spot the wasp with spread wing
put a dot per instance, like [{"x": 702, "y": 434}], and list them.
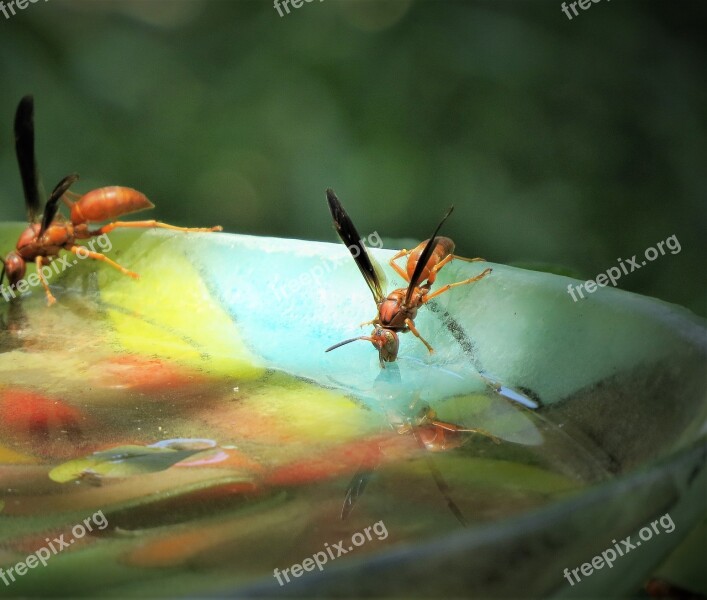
[
  {"x": 42, "y": 241},
  {"x": 397, "y": 310}
]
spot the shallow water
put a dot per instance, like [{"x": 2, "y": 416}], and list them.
[
  {"x": 234, "y": 451},
  {"x": 271, "y": 497}
]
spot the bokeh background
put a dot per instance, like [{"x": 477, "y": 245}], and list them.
[{"x": 561, "y": 143}]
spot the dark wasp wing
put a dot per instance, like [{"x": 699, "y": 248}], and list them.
[
  {"x": 348, "y": 234},
  {"x": 424, "y": 257},
  {"x": 24, "y": 149},
  {"x": 52, "y": 205}
]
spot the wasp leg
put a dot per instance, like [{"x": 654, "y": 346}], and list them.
[
  {"x": 398, "y": 269},
  {"x": 434, "y": 270},
  {"x": 449, "y": 286},
  {"x": 446, "y": 260},
  {"x": 468, "y": 259},
  {"x": 441, "y": 483},
  {"x": 458, "y": 429},
  {"x": 416, "y": 333},
  {"x": 83, "y": 252},
  {"x": 373, "y": 322},
  {"x": 149, "y": 224},
  {"x": 69, "y": 198},
  {"x": 485, "y": 433},
  {"x": 50, "y": 298}
]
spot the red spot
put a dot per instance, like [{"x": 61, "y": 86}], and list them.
[
  {"x": 145, "y": 374},
  {"x": 49, "y": 426},
  {"x": 33, "y": 542},
  {"x": 24, "y": 410},
  {"x": 337, "y": 461}
]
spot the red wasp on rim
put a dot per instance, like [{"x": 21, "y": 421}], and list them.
[
  {"x": 397, "y": 310},
  {"x": 41, "y": 242}
]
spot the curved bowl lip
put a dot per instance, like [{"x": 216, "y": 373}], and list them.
[{"x": 685, "y": 470}]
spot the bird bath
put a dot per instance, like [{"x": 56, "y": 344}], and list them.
[{"x": 197, "y": 411}]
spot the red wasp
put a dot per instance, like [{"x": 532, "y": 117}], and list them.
[
  {"x": 397, "y": 311},
  {"x": 41, "y": 242}
]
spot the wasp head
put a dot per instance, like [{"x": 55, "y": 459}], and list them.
[
  {"x": 14, "y": 266},
  {"x": 387, "y": 343},
  {"x": 384, "y": 339}
]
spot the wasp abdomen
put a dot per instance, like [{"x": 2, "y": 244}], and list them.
[
  {"x": 107, "y": 203},
  {"x": 444, "y": 246}
]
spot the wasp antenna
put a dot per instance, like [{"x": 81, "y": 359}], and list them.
[{"x": 335, "y": 346}]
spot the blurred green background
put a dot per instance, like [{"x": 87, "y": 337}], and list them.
[{"x": 560, "y": 142}]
